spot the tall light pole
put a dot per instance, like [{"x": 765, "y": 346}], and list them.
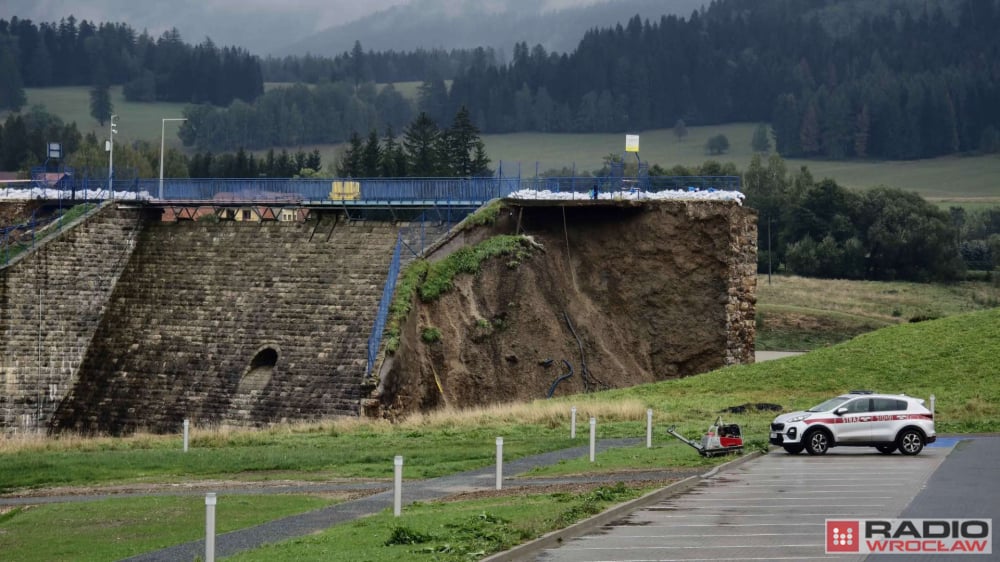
[
  {"x": 111, "y": 156},
  {"x": 163, "y": 127}
]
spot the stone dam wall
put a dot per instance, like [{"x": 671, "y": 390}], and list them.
[{"x": 123, "y": 322}]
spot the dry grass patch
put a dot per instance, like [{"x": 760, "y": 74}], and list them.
[{"x": 545, "y": 413}]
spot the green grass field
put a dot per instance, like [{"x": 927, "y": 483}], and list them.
[
  {"x": 969, "y": 181},
  {"x": 951, "y": 178},
  {"x": 952, "y": 358},
  {"x": 137, "y": 121},
  {"x": 799, "y": 313}
]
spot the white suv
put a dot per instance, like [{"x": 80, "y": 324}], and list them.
[{"x": 860, "y": 418}]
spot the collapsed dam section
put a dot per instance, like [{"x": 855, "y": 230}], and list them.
[{"x": 124, "y": 322}]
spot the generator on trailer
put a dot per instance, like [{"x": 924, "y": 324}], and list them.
[{"x": 720, "y": 439}]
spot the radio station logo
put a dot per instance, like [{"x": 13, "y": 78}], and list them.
[{"x": 909, "y": 536}]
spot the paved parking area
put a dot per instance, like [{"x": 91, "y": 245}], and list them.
[{"x": 772, "y": 508}]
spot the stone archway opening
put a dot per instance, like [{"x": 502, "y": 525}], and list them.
[
  {"x": 265, "y": 359},
  {"x": 258, "y": 373}
]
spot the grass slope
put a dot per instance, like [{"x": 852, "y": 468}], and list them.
[
  {"x": 953, "y": 358},
  {"x": 800, "y": 313}
]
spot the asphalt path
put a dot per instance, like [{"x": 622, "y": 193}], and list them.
[
  {"x": 965, "y": 487},
  {"x": 775, "y": 507},
  {"x": 319, "y": 520}
]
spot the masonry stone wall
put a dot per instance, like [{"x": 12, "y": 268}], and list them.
[
  {"x": 234, "y": 323},
  {"x": 123, "y": 322},
  {"x": 52, "y": 299}
]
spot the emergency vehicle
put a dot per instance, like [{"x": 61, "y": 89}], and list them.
[{"x": 861, "y": 418}]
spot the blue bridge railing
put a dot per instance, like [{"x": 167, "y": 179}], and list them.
[
  {"x": 362, "y": 190},
  {"x": 375, "y": 339}
]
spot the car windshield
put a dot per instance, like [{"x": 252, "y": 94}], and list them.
[{"x": 829, "y": 404}]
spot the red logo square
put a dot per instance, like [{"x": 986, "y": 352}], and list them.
[{"x": 843, "y": 535}]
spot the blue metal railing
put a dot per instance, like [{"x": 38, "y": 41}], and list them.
[
  {"x": 400, "y": 190},
  {"x": 375, "y": 339}
]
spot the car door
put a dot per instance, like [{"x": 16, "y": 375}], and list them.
[
  {"x": 854, "y": 426},
  {"x": 888, "y": 415}
]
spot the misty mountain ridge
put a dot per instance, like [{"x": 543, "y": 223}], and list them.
[{"x": 463, "y": 24}]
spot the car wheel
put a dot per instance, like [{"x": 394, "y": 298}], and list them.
[
  {"x": 817, "y": 442},
  {"x": 794, "y": 448},
  {"x": 910, "y": 442},
  {"x": 886, "y": 449}
]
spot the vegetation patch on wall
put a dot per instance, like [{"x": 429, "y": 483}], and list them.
[{"x": 430, "y": 281}]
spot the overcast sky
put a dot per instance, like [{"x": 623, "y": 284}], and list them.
[
  {"x": 259, "y": 25},
  {"x": 314, "y": 14}
]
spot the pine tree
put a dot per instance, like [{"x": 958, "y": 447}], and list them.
[
  {"x": 350, "y": 161},
  {"x": 393, "y": 161},
  {"x": 809, "y": 133},
  {"x": 460, "y": 142},
  {"x": 371, "y": 155},
  {"x": 680, "y": 129},
  {"x": 421, "y": 144},
  {"x": 761, "y": 142},
  {"x": 11, "y": 86}
]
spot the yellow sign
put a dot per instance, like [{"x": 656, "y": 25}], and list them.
[
  {"x": 345, "y": 190},
  {"x": 631, "y": 143}
]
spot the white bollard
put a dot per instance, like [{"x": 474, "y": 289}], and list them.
[
  {"x": 499, "y": 462},
  {"x": 649, "y": 428},
  {"x": 397, "y": 486},
  {"x": 932, "y": 404},
  {"x": 187, "y": 432},
  {"x": 210, "y": 527},
  {"x": 572, "y": 422},
  {"x": 593, "y": 437}
]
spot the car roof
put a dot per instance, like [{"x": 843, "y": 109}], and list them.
[{"x": 873, "y": 395}]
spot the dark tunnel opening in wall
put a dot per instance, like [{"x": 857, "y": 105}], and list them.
[
  {"x": 265, "y": 360},
  {"x": 258, "y": 374}
]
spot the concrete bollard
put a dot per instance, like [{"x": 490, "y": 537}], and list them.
[
  {"x": 499, "y": 463},
  {"x": 187, "y": 434},
  {"x": 397, "y": 486},
  {"x": 593, "y": 437},
  {"x": 649, "y": 428},
  {"x": 572, "y": 422},
  {"x": 933, "y": 399},
  {"x": 210, "y": 527}
]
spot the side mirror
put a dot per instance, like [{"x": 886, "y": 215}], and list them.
[{"x": 840, "y": 411}]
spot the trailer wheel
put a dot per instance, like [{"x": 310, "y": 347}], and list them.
[
  {"x": 793, "y": 448},
  {"x": 817, "y": 442}
]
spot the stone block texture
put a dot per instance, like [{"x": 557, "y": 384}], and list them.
[
  {"x": 221, "y": 323},
  {"x": 52, "y": 301}
]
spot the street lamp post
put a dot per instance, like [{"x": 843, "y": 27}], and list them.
[
  {"x": 163, "y": 127},
  {"x": 111, "y": 156}
]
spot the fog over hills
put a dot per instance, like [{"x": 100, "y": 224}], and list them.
[{"x": 330, "y": 27}]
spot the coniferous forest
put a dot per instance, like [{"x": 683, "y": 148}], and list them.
[{"x": 835, "y": 78}]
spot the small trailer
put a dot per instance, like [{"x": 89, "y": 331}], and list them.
[{"x": 721, "y": 439}]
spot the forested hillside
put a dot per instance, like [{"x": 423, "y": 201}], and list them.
[
  {"x": 835, "y": 79},
  {"x": 71, "y": 53}
]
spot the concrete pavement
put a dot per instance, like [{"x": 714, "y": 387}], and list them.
[{"x": 773, "y": 508}]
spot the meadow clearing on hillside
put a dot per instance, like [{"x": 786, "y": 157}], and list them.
[
  {"x": 801, "y": 313},
  {"x": 136, "y": 121},
  {"x": 965, "y": 180}
]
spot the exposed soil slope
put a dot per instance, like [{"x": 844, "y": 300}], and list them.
[{"x": 626, "y": 294}]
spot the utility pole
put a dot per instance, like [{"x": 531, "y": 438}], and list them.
[{"x": 111, "y": 156}]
